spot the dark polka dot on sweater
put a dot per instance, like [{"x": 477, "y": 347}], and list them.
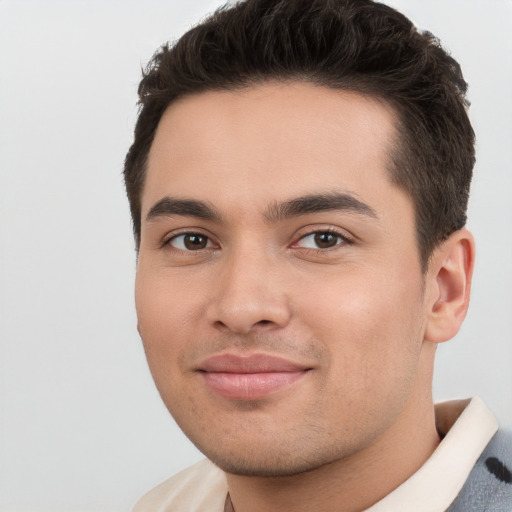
[{"x": 499, "y": 470}]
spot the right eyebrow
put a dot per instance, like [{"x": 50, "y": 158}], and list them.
[{"x": 170, "y": 207}]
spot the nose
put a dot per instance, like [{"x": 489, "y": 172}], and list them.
[{"x": 249, "y": 296}]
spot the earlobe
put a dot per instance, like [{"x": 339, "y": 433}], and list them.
[{"x": 449, "y": 278}]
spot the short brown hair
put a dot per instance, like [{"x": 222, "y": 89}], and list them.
[{"x": 357, "y": 45}]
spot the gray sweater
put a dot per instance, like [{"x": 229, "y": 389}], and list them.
[{"x": 489, "y": 485}]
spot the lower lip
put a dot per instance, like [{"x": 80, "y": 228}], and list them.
[{"x": 250, "y": 386}]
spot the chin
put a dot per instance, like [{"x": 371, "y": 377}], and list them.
[
  {"x": 267, "y": 462},
  {"x": 266, "y": 469}
]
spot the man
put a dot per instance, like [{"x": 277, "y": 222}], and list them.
[{"x": 298, "y": 184}]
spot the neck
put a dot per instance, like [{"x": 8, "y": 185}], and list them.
[{"x": 353, "y": 483}]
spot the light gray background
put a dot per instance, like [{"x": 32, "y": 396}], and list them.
[{"x": 82, "y": 427}]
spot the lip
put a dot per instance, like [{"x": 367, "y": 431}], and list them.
[{"x": 250, "y": 377}]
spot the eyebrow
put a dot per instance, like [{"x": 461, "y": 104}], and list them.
[
  {"x": 304, "y": 205},
  {"x": 170, "y": 206},
  {"x": 316, "y": 203}
]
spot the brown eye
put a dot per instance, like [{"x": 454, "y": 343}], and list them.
[
  {"x": 194, "y": 242},
  {"x": 326, "y": 240},
  {"x": 322, "y": 240},
  {"x": 190, "y": 242}
]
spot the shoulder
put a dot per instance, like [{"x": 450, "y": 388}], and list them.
[
  {"x": 198, "y": 488},
  {"x": 489, "y": 485}
]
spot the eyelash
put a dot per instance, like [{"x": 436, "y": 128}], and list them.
[
  {"x": 184, "y": 234},
  {"x": 342, "y": 239}
]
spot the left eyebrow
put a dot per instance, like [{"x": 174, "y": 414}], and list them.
[{"x": 316, "y": 203}]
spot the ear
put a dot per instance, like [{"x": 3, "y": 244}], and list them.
[{"x": 448, "y": 286}]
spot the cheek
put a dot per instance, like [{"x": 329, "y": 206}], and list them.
[
  {"x": 165, "y": 316},
  {"x": 167, "y": 303},
  {"x": 369, "y": 326}
]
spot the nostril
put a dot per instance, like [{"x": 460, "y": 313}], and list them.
[{"x": 264, "y": 322}]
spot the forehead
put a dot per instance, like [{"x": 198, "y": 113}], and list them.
[{"x": 270, "y": 142}]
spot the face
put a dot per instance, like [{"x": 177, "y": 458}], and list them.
[{"x": 279, "y": 290}]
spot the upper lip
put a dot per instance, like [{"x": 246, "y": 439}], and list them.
[{"x": 252, "y": 363}]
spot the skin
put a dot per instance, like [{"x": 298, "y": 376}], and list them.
[{"x": 357, "y": 311}]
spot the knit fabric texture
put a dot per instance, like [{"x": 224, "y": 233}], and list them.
[{"x": 489, "y": 485}]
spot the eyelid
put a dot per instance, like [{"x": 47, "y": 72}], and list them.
[
  {"x": 346, "y": 239},
  {"x": 187, "y": 231},
  {"x": 304, "y": 232}
]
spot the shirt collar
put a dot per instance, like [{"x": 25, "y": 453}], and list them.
[{"x": 467, "y": 427}]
